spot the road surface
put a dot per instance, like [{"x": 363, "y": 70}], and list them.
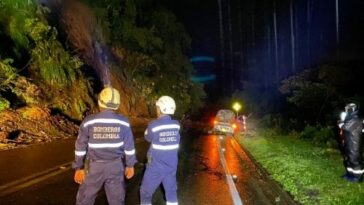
[{"x": 213, "y": 170}]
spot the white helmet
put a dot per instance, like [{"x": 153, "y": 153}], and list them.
[
  {"x": 166, "y": 105},
  {"x": 109, "y": 98},
  {"x": 349, "y": 108}
]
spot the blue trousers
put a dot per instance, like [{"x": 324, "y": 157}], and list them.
[
  {"x": 152, "y": 179},
  {"x": 108, "y": 174}
]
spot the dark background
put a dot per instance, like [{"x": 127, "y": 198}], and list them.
[{"x": 246, "y": 53}]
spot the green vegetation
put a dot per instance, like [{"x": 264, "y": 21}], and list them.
[
  {"x": 317, "y": 95},
  {"x": 310, "y": 173},
  {"x": 299, "y": 145},
  {"x": 45, "y": 58},
  {"x": 7, "y": 73},
  {"x": 4, "y": 104},
  {"x": 37, "y": 69},
  {"x": 311, "y": 99},
  {"x": 154, "y": 44},
  {"x": 318, "y": 135}
]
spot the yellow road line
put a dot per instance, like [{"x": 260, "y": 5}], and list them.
[{"x": 28, "y": 181}]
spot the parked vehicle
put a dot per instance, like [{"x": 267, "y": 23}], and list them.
[{"x": 224, "y": 122}]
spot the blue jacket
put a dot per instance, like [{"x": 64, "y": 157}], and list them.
[
  {"x": 104, "y": 136},
  {"x": 163, "y": 134}
]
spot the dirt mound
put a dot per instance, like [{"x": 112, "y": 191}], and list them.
[
  {"x": 34, "y": 113},
  {"x": 31, "y": 125}
]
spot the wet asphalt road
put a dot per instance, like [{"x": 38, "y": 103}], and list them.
[{"x": 201, "y": 177}]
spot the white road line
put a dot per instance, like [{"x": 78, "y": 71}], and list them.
[{"x": 233, "y": 191}]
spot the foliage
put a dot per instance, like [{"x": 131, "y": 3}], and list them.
[
  {"x": 141, "y": 68},
  {"x": 55, "y": 71},
  {"x": 153, "y": 42},
  {"x": 318, "y": 135},
  {"x": 174, "y": 75},
  {"x": 4, "y": 104},
  {"x": 13, "y": 14},
  {"x": 35, "y": 113},
  {"x": 75, "y": 101},
  {"x": 128, "y": 28},
  {"x": 7, "y": 73},
  {"x": 280, "y": 123},
  {"x": 318, "y": 94},
  {"x": 271, "y": 121},
  {"x": 198, "y": 95},
  {"x": 311, "y": 96},
  {"x": 311, "y": 174},
  {"x": 26, "y": 90},
  {"x": 154, "y": 45},
  {"x": 19, "y": 85},
  {"x": 55, "y": 65}
]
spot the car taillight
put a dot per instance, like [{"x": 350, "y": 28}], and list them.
[
  {"x": 215, "y": 122},
  {"x": 234, "y": 126}
]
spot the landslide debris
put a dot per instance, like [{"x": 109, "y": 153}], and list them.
[{"x": 31, "y": 125}]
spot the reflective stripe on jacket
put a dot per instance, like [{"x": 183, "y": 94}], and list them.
[
  {"x": 104, "y": 136},
  {"x": 163, "y": 134}
]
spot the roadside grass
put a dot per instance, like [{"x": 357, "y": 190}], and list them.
[{"x": 312, "y": 175}]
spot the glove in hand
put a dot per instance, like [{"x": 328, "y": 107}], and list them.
[
  {"x": 129, "y": 172},
  {"x": 80, "y": 176}
]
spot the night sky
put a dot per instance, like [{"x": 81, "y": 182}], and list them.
[
  {"x": 201, "y": 20},
  {"x": 252, "y": 53}
]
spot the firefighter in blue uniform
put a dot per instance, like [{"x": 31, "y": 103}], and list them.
[
  {"x": 351, "y": 130},
  {"x": 163, "y": 134},
  {"x": 106, "y": 140}
]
